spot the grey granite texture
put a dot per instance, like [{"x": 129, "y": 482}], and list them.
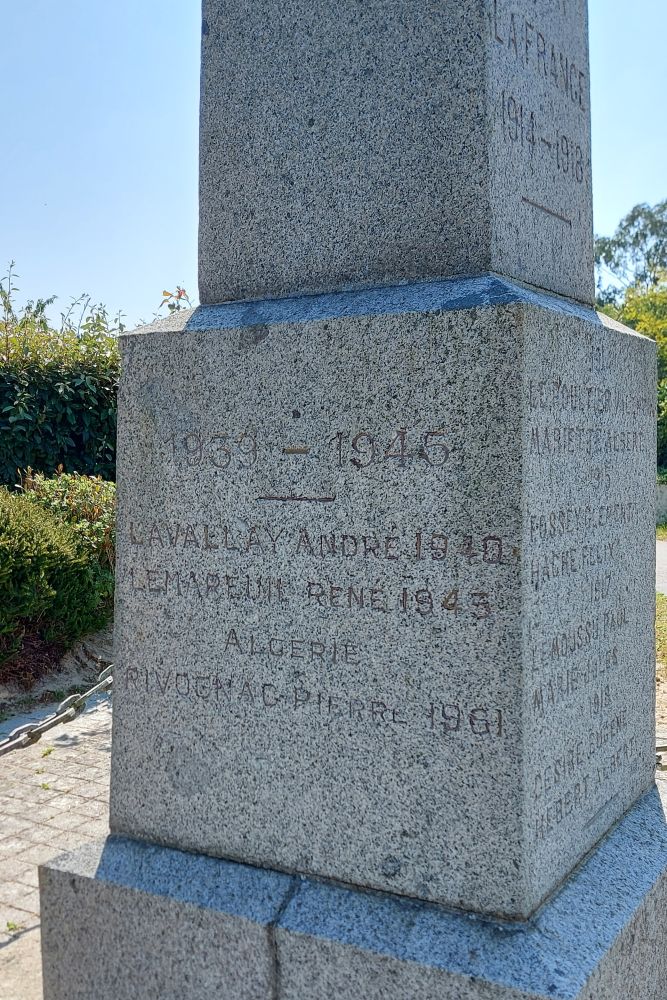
[
  {"x": 357, "y": 144},
  {"x": 382, "y": 609},
  {"x": 124, "y": 920},
  {"x": 157, "y": 923}
]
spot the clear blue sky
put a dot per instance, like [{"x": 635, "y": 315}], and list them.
[{"x": 99, "y": 139}]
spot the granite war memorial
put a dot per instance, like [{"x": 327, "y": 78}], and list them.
[{"x": 384, "y": 682}]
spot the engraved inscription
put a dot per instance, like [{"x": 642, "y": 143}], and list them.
[
  {"x": 571, "y": 785},
  {"x": 560, "y": 394},
  {"x": 263, "y": 539},
  {"x": 522, "y": 127},
  {"x": 448, "y": 720},
  {"x": 276, "y": 647},
  {"x": 449, "y": 601},
  {"x": 530, "y": 48},
  {"x": 222, "y": 450},
  {"x": 553, "y": 566},
  {"x": 234, "y": 588},
  {"x": 363, "y": 449},
  {"x": 546, "y": 527},
  {"x": 553, "y": 439}
]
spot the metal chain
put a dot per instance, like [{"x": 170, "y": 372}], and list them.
[{"x": 25, "y": 736}]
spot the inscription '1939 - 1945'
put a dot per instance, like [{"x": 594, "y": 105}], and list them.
[{"x": 232, "y": 451}]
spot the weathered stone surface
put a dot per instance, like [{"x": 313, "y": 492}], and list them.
[
  {"x": 122, "y": 919},
  {"x": 163, "y": 924},
  {"x": 357, "y": 144},
  {"x": 383, "y": 612}
]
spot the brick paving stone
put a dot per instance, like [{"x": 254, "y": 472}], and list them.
[
  {"x": 11, "y": 916},
  {"x": 12, "y": 871},
  {"x": 29, "y": 876},
  {"x": 66, "y": 821},
  {"x": 93, "y": 808},
  {"x": 9, "y": 805},
  {"x": 12, "y": 824},
  {"x": 10, "y": 847},
  {"x": 37, "y": 854},
  {"x": 19, "y": 895},
  {"x": 37, "y": 833},
  {"x": 39, "y": 823}
]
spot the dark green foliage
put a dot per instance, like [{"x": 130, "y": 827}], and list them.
[
  {"x": 88, "y": 503},
  {"x": 662, "y": 425},
  {"x": 635, "y": 261},
  {"x": 58, "y": 412},
  {"x": 57, "y": 387},
  {"x": 47, "y": 576}
]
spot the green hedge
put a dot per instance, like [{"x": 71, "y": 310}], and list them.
[
  {"x": 88, "y": 504},
  {"x": 57, "y": 387},
  {"x": 49, "y": 578},
  {"x": 662, "y": 426},
  {"x": 59, "y": 412}
]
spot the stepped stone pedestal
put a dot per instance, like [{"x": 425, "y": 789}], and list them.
[{"x": 384, "y": 681}]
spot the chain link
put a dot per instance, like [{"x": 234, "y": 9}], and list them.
[{"x": 69, "y": 709}]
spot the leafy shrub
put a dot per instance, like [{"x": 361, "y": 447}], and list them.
[
  {"x": 87, "y": 503},
  {"x": 46, "y": 576},
  {"x": 59, "y": 412},
  {"x": 662, "y": 425},
  {"x": 57, "y": 389}
]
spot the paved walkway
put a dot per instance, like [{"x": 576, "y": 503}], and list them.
[{"x": 54, "y": 796}]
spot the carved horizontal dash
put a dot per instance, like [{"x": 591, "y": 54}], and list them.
[
  {"x": 297, "y": 450},
  {"x": 298, "y": 499},
  {"x": 547, "y": 211}
]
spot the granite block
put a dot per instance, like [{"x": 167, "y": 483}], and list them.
[
  {"x": 122, "y": 919},
  {"x": 382, "y": 610},
  {"x": 348, "y": 145},
  {"x": 161, "y": 923}
]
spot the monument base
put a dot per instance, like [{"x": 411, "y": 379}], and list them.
[
  {"x": 157, "y": 923},
  {"x": 382, "y": 585}
]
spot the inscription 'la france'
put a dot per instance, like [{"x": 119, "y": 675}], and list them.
[{"x": 530, "y": 47}]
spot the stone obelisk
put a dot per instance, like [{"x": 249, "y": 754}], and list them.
[{"x": 384, "y": 690}]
